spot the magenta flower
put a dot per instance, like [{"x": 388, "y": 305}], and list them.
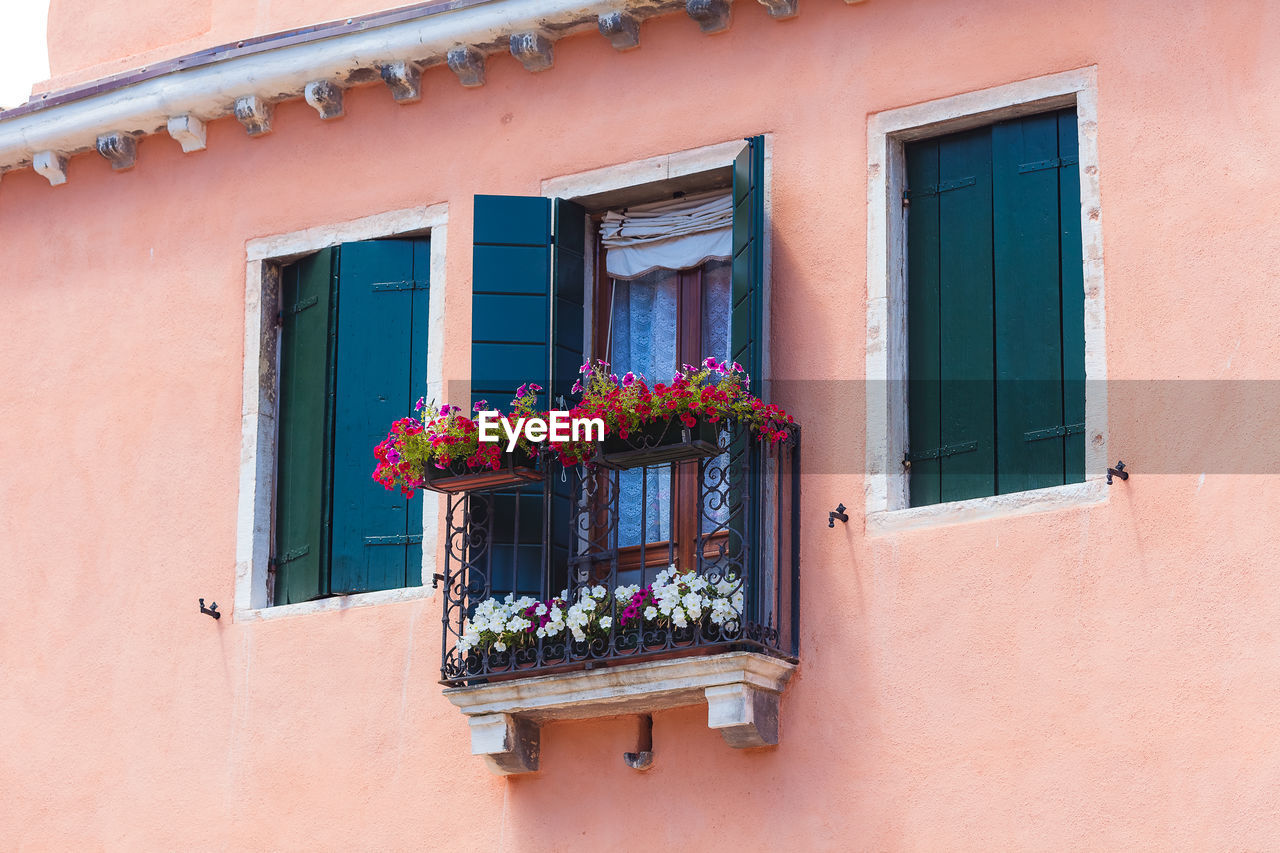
[
  {"x": 481, "y": 405},
  {"x": 421, "y": 404},
  {"x": 629, "y": 379},
  {"x": 577, "y": 387}
]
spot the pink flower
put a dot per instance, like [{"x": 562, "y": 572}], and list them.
[
  {"x": 480, "y": 406},
  {"x": 629, "y": 378}
]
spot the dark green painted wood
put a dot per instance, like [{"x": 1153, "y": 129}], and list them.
[
  {"x": 1072, "y": 273},
  {"x": 1027, "y": 302},
  {"x": 302, "y": 505},
  {"x": 746, "y": 322},
  {"x": 967, "y": 365},
  {"x": 568, "y": 354},
  {"x": 381, "y": 351},
  {"x": 924, "y": 322},
  {"x": 511, "y": 312}
]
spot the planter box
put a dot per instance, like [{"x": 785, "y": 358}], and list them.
[
  {"x": 661, "y": 443},
  {"x": 519, "y": 469}
]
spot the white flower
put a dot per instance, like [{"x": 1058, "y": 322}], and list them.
[
  {"x": 606, "y": 622},
  {"x": 599, "y": 592},
  {"x": 499, "y": 646},
  {"x": 651, "y": 612},
  {"x": 541, "y": 609}
]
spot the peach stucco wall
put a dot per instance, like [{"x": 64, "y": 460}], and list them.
[
  {"x": 91, "y": 38},
  {"x": 1100, "y": 678}
]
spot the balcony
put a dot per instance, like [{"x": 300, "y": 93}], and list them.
[{"x": 724, "y": 511}]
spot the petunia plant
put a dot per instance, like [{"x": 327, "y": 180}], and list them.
[{"x": 675, "y": 600}]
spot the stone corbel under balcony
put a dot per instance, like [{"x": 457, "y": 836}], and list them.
[{"x": 741, "y": 689}]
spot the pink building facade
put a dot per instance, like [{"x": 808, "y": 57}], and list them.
[{"x": 1015, "y": 656}]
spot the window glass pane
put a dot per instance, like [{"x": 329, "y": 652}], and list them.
[
  {"x": 717, "y": 284},
  {"x": 644, "y": 340}
]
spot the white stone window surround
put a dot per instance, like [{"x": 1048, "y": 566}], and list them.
[
  {"x": 255, "y": 513},
  {"x": 886, "y": 489}
]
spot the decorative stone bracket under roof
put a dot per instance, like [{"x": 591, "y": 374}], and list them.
[{"x": 317, "y": 63}]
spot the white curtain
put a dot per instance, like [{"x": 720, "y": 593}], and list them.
[
  {"x": 673, "y": 235},
  {"x": 643, "y": 329}
]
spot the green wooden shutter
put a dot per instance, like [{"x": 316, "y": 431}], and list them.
[
  {"x": 746, "y": 347},
  {"x": 746, "y": 322},
  {"x": 511, "y": 318},
  {"x": 305, "y": 434},
  {"x": 568, "y": 286},
  {"x": 383, "y": 308},
  {"x": 510, "y": 296},
  {"x": 1028, "y": 309},
  {"x": 995, "y": 292},
  {"x": 951, "y": 358},
  {"x": 1072, "y": 295}
]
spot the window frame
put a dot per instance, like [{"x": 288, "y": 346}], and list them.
[
  {"x": 641, "y": 181},
  {"x": 265, "y": 259},
  {"x": 887, "y": 485}
]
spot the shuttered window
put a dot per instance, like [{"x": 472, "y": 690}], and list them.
[
  {"x": 353, "y": 352},
  {"x": 528, "y": 281},
  {"x": 995, "y": 306}
]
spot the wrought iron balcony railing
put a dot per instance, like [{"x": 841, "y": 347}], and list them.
[{"x": 732, "y": 517}]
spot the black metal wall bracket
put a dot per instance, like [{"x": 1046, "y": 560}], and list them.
[
  {"x": 839, "y": 513},
  {"x": 436, "y": 580},
  {"x": 212, "y": 609},
  {"x": 1117, "y": 471}
]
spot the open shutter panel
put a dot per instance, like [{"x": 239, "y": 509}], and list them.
[
  {"x": 746, "y": 323},
  {"x": 567, "y": 353},
  {"x": 511, "y": 316},
  {"x": 1028, "y": 309},
  {"x": 510, "y": 300},
  {"x": 302, "y": 487},
  {"x": 746, "y": 341},
  {"x": 382, "y": 322}
]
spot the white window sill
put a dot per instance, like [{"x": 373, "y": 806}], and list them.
[
  {"x": 337, "y": 603},
  {"x": 1088, "y": 493},
  {"x": 741, "y": 690}
]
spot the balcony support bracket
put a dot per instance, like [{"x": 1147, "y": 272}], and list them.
[
  {"x": 745, "y": 716},
  {"x": 508, "y": 744},
  {"x": 741, "y": 689}
]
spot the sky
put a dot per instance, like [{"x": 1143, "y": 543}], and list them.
[{"x": 24, "y": 55}]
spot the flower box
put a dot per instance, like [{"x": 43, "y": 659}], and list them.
[
  {"x": 518, "y": 469},
  {"x": 660, "y": 443}
]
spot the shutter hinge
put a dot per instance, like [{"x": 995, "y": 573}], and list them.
[
  {"x": 1051, "y": 163},
  {"x": 290, "y": 556},
  {"x": 941, "y": 452},
  {"x": 940, "y": 187},
  {"x": 394, "y": 540},
  {"x": 303, "y": 304},
  {"x": 1053, "y": 432},
  {"x": 384, "y": 286}
]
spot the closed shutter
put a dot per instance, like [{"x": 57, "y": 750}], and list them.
[
  {"x": 383, "y": 308},
  {"x": 527, "y": 326},
  {"x": 995, "y": 310},
  {"x": 305, "y": 433},
  {"x": 951, "y": 394}
]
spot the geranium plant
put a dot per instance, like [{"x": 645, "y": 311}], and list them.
[
  {"x": 445, "y": 438},
  {"x": 714, "y": 392}
]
